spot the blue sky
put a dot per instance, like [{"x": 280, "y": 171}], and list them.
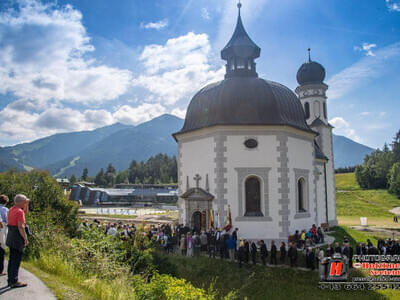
[{"x": 82, "y": 64}]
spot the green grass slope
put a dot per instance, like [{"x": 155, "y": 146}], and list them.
[{"x": 352, "y": 202}]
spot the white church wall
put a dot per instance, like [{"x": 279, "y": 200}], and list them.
[
  {"x": 196, "y": 157},
  {"x": 321, "y": 207},
  {"x": 301, "y": 164},
  {"x": 253, "y": 162}
]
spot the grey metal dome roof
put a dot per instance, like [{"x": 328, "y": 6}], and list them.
[
  {"x": 310, "y": 72},
  {"x": 244, "y": 101}
]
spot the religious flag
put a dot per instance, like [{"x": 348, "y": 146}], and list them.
[
  {"x": 229, "y": 225},
  {"x": 210, "y": 218}
]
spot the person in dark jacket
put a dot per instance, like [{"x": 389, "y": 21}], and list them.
[
  {"x": 241, "y": 253},
  {"x": 254, "y": 253},
  {"x": 246, "y": 251},
  {"x": 235, "y": 236},
  {"x": 310, "y": 259},
  {"x": 292, "y": 253},
  {"x": 263, "y": 252},
  {"x": 283, "y": 253},
  {"x": 337, "y": 248},
  {"x": 273, "y": 254},
  {"x": 211, "y": 244}
]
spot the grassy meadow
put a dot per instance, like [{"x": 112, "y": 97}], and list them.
[{"x": 352, "y": 203}]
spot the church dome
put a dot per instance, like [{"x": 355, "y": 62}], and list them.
[
  {"x": 244, "y": 101},
  {"x": 310, "y": 72},
  {"x": 242, "y": 98}
]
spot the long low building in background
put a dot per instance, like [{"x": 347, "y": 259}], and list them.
[{"x": 140, "y": 195}]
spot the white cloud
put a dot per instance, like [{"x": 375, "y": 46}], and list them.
[
  {"x": 367, "y": 48},
  {"x": 134, "y": 115},
  {"x": 393, "y": 5},
  {"x": 365, "y": 113},
  {"x": 181, "y": 113},
  {"x": 177, "y": 69},
  {"x": 342, "y": 127},
  {"x": 367, "y": 68},
  {"x": 205, "y": 14},
  {"x": 155, "y": 25},
  {"x": 43, "y": 56}
]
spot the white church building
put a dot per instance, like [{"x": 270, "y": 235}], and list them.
[{"x": 253, "y": 147}]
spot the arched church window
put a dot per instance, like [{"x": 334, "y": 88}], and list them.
[
  {"x": 325, "y": 114},
  {"x": 301, "y": 194},
  {"x": 307, "y": 109},
  {"x": 253, "y": 197}
]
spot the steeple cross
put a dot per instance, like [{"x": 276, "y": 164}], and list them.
[{"x": 197, "y": 178}]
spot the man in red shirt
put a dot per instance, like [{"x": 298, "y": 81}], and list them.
[{"x": 17, "y": 239}]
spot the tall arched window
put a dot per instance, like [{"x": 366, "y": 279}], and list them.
[
  {"x": 307, "y": 109},
  {"x": 253, "y": 197},
  {"x": 301, "y": 195}
]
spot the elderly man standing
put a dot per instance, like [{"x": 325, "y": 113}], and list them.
[
  {"x": 17, "y": 239},
  {"x": 3, "y": 231}
]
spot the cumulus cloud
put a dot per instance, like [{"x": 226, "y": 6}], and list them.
[
  {"x": 178, "y": 68},
  {"x": 393, "y": 5},
  {"x": 342, "y": 127},
  {"x": 155, "y": 25},
  {"x": 367, "y": 68},
  {"x": 43, "y": 55},
  {"x": 181, "y": 113},
  {"x": 133, "y": 115},
  {"x": 366, "y": 48}
]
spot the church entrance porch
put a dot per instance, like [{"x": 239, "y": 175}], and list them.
[{"x": 198, "y": 203}]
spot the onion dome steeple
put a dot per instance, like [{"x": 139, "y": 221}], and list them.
[
  {"x": 240, "y": 52},
  {"x": 310, "y": 72}
]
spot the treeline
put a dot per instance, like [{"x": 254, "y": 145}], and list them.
[
  {"x": 345, "y": 170},
  {"x": 156, "y": 170},
  {"x": 381, "y": 169}
]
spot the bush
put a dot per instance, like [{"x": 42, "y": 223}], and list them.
[{"x": 394, "y": 179}]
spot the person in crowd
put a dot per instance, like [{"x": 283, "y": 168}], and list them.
[
  {"x": 319, "y": 255},
  {"x": 182, "y": 245},
  {"x": 3, "y": 231},
  {"x": 338, "y": 249},
  {"x": 310, "y": 259},
  {"x": 231, "y": 246},
  {"x": 197, "y": 244},
  {"x": 292, "y": 254},
  {"x": 189, "y": 245},
  {"x": 320, "y": 235},
  {"x": 296, "y": 237},
  {"x": 263, "y": 252},
  {"x": 273, "y": 253},
  {"x": 112, "y": 231},
  {"x": 254, "y": 253},
  {"x": 302, "y": 239},
  {"x": 235, "y": 236},
  {"x": 241, "y": 253},
  {"x": 246, "y": 251},
  {"x": 211, "y": 244},
  {"x": 282, "y": 250},
  {"x": 329, "y": 251},
  {"x": 314, "y": 233},
  {"x": 203, "y": 241},
  {"x": 17, "y": 238}
]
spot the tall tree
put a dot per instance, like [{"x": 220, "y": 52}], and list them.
[
  {"x": 72, "y": 180},
  {"x": 396, "y": 147},
  {"x": 85, "y": 174}
]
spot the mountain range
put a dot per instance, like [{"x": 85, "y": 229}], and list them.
[{"x": 65, "y": 154}]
